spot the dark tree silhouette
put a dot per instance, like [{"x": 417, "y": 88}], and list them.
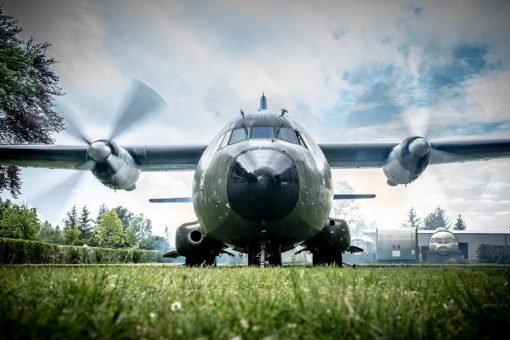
[
  {"x": 27, "y": 88},
  {"x": 437, "y": 219},
  {"x": 412, "y": 219},
  {"x": 459, "y": 223}
]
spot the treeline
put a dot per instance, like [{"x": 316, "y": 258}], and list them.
[
  {"x": 434, "y": 220},
  {"x": 111, "y": 228}
]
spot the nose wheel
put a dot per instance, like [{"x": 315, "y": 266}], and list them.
[{"x": 263, "y": 255}]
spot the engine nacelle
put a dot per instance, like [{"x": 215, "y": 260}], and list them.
[
  {"x": 334, "y": 239},
  {"x": 407, "y": 161},
  {"x": 113, "y": 165},
  {"x": 191, "y": 242}
]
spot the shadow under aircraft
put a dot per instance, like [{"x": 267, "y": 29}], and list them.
[{"x": 262, "y": 186}]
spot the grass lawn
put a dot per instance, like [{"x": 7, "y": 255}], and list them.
[{"x": 252, "y": 303}]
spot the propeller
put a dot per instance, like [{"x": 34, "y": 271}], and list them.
[
  {"x": 141, "y": 103},
  {"x": 382, "y": 105}
]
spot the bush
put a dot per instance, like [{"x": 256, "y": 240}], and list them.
[{"x": 13, "y": 251}]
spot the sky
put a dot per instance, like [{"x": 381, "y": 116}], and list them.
[{"x": 348, "y": 71}]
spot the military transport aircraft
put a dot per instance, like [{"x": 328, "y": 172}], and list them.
[{"x": 262, "y": 186}]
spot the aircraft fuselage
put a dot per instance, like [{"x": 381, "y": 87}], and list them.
[{"x": 262, "y": 179}]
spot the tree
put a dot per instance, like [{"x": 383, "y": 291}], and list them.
[
  {"x": 51, "y": 235},
  {"x": 437, "y": 219},
  {"x": 412, "y": 219},
  {"x": 102, "y": 210},
  {"x": 155, "y": 243},
  {"x": 110, "y": 231},
  {"x": 459, "y": 223},
  {"x": 139, "y": 230},
  {"x": 27, "y": 88},
  {"x": 18, "y": 221},
  {"x": 71, "y": 230},
  {"x": 125, "y": 216},
  {"x": 84, "y": 226},
  {"x": 349, "y": 210}
]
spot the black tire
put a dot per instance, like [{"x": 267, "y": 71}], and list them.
[
  {"x": 327, "y": 259},
  {"x": 276, "y": 257},
  {"x": 253, "y": 260},
  {"x": 197, "y": 261}
]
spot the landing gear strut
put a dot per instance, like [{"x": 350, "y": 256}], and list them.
[{"x": 264, "y": 254}]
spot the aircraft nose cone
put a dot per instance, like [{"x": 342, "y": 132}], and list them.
[{"x": 263, "y": 185}]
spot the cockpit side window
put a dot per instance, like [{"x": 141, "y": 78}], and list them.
[
  {"x": 262, "y": 132},
  {"x": 224, "y": 142},
  {"x": 238, "y": 135},
  {"x": 301, "y": 140},
  {"x": 287, "y": 134}
]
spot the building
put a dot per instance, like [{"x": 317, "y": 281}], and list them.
[{"x": 469, "y": 242}]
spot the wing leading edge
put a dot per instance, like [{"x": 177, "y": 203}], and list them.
[
  {"x": 148, "y": 158},
  {"x": 186, "y": 157},
  {"x": 375, "y": 155}
]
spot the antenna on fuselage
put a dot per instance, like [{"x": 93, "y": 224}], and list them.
[
  {"x": 284, "y": 111},
  {"x": 242, "y": 113},
  {"x": 263, "y": 102}
]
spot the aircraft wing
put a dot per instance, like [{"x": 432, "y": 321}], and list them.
[
  {"x": 375, "y": 155},
  {"x": 148, "y": 158}
]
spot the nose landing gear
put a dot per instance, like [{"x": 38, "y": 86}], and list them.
[{"x": 264, "y": 254}]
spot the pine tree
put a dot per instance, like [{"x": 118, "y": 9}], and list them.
[
  {"x": 102, "y": 210},
  {"x": 71, "y": 230},
  {"x": 459, "y": 223},
  {"x": 437, "y": 219},
  {"x": 51, "y": 235},
  {"x": 412, "y": 219},
  {"x": 84, "y": 226}
]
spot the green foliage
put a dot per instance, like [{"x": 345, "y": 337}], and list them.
[
  {"x": 71, "y": 227},
  {"x": 85, "y": 227},
  {"x": 139, "y": 231},
  {"x": 27, "y": 88},
  {"x": 109, "y": 230},
  {"x": 51, "y": 235},
  {"x": 155, "y": 242},
  {"x": 17, "y": 221},
  {"x": 23, "y": 251},
  {"x": 102, "y": 210},
  {"x": 459, "y": 223},
  {"x": 413, "y": 221},
  {"x": 437, "y": 219},
  {"x": 124, "y": 215},
  {"x": 154, "y": 302}
]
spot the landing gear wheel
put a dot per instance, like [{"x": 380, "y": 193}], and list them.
[
  {"x": 276, "y": 257},
  {"x": 253, "y": 260},
  {"x": 320, "y": 259},
  {"x": 197, "y": 261}
]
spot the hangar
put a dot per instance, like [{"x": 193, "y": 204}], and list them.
[{"x": 469, "y": 242}]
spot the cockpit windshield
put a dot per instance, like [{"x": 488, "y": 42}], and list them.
[
  {"x": 238, "y": 135},
  {"x": 262, "y": 132},
  {"x": 243, "y": 133},
  {"x": 286, "y": 134}
]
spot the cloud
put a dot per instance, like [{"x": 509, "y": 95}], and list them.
[{"x": 348, "y": 71}]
